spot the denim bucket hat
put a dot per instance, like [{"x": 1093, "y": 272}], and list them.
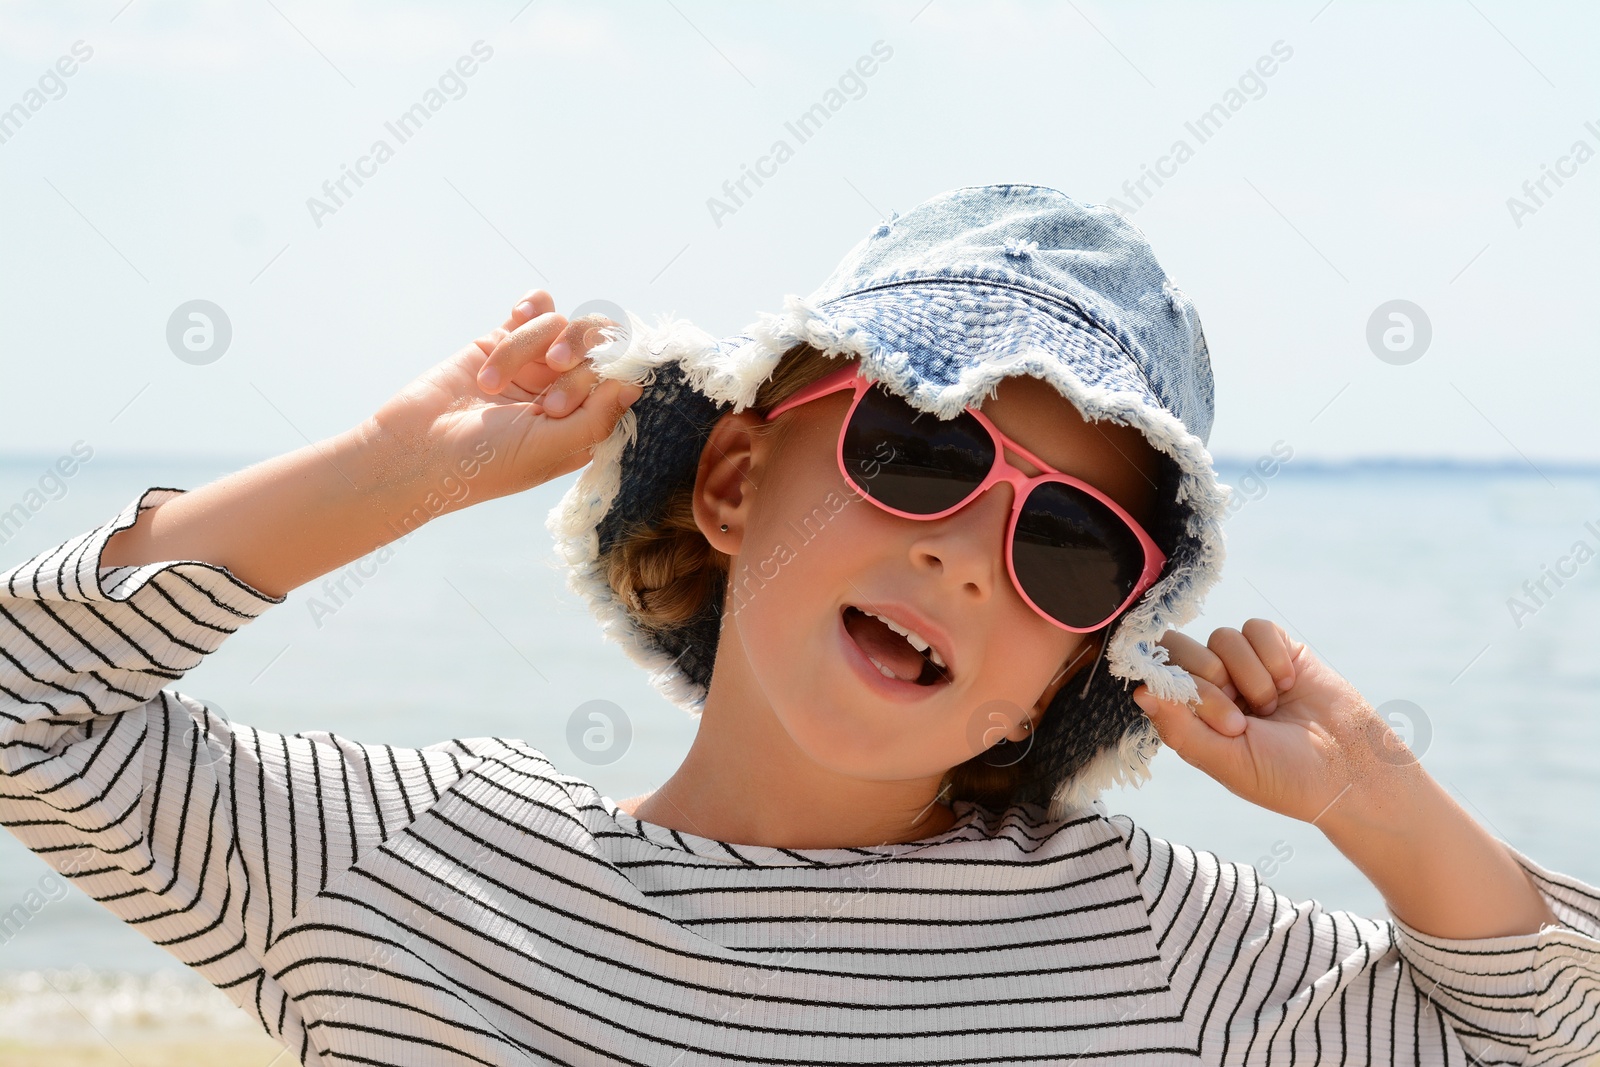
[{"x": 940, "y": 304}]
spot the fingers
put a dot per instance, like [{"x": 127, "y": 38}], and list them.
[
  {"x": 1205, "y": 736},
  {"x": 604, "y": 405},
  {"x": 486, "y": 344},
  {"x": 1254, "y": 659},
  {"x": 591, "y": 422},
  {"x": 569, "y": 355},
  {"x": 547, "y": 359},
  {"x": 521, "y": 348},
  {"x": 1200, "y": 661},
  {"x": 577, "y": 340},
  {"x": 1275, "y": 650},
  {"x": 570, "y": 391},
  {"x": 1218, "y": 711},
  {"x": 534, "y": 303}
]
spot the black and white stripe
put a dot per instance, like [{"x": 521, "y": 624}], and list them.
[{"x": 467, "y": 903}]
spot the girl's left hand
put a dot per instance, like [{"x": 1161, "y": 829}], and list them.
[{"x": 1302, "y": 736}]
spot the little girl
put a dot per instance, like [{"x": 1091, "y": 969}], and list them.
[{"x": 904, "y": 548}]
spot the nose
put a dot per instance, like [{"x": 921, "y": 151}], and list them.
[{"x": 966, "y": 549}]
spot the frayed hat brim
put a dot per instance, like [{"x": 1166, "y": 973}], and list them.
[{"x": 726, "y": 373}]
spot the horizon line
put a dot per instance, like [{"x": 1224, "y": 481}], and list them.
[{"x": 1376, "y": 463}]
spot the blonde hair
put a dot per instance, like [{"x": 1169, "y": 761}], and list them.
[{"x": 669, "y": 575}]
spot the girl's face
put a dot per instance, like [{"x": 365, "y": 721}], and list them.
[{"x": 810, "y": 554}]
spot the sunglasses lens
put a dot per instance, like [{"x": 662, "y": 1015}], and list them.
[
  {"x": 1074, "y": 556},
  {"x": 912, "y": 461}
]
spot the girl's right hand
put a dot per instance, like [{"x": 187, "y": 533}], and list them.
[{"x": 516, "y": 408}]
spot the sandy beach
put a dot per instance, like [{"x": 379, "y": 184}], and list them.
[
  {"x": 83, "y": 1018},
  {"x": 147, "y": 1052}
]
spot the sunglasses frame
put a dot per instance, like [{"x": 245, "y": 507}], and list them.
[{"x": 1002, "y": 470}]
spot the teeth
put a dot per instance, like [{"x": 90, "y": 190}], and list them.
[
  {"x": 916, "y": 639},
  {"x": 885, "y": 671}
]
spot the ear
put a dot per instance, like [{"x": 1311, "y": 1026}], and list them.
[{"x": 724, "y": 479}]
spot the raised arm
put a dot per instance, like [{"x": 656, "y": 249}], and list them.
[
  {"x": 1486, "y": 951},
  {"x": 1311, "y": 747},
  {"x": 442, "y": 443},
  {"x": 205, "y": 835}
]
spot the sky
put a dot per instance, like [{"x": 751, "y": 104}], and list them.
[{"x": 1431, "y": 161}]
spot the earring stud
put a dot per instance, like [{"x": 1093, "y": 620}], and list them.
[{"x": 724, "y": 527}]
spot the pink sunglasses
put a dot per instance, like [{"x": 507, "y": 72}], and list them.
[{"x": 1074, "y": 554}]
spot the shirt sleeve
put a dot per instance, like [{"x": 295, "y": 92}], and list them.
[
  {"x": 203, "y": 834},
  {"x": 1265, "y": 979}
]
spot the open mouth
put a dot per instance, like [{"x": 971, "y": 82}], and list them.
[{"x": 894, "y": 650}]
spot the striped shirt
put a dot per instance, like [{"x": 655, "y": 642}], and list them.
[{"x": 468, "y": 903}]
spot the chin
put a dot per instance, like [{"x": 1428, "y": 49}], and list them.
[{"x": 856, "y": 739}]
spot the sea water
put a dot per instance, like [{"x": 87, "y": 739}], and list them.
[{"x": 1460, "y": 599}]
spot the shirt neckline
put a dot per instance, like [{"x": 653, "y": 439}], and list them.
[{"x": 967, "y": 813}]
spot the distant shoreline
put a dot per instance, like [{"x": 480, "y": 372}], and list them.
[
  {"x": 1505, "y": 467},
  {"x": 1519, "y": 468}
]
